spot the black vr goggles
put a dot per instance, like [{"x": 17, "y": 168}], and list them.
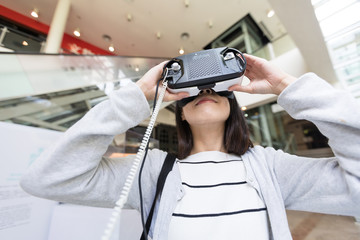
[{"x": 215, "y": 69}]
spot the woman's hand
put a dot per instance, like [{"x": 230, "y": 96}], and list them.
[
  {"x": 149, "y": 81},
  {"x": 264, "y": 77}
]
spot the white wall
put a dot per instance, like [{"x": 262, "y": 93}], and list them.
[{"x": 292, "y": 62}]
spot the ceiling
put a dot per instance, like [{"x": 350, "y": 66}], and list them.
[{"x": 203, "y": 20}]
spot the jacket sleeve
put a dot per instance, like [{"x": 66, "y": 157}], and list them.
[
  {"x": 73, "y": 169},
  {"x": 327, "y": 185}
]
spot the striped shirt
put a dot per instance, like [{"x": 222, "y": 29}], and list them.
[{"x": 218, "y": 202}]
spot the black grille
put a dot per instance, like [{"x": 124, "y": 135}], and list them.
[{"x": 203, "y": 65}]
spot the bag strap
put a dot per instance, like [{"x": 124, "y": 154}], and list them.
[{"x": 166, "y": 168}]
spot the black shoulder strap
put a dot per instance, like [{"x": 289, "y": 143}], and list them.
[{"x": 166, "y": 168}]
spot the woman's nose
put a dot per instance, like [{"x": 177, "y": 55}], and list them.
[{"x": 205, "y": 91}]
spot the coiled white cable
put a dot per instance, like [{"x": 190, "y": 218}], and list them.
[{"x": 115, "y": 217}]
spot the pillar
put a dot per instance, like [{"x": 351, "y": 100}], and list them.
[{"x": 57, "y": 27}]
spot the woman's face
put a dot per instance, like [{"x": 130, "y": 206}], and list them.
[{"x": 207, "y": 108}]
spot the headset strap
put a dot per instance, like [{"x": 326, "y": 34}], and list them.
[{"x": 166, "y": 168}]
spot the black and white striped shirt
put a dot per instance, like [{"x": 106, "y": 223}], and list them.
[{"x": 218, "y": 202}]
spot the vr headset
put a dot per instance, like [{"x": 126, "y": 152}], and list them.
[{"x": 215, "y": 69}]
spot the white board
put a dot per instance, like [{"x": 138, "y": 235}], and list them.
[
  {"x": 74, "y": 222},
  {"x": 22, "y": 216}
]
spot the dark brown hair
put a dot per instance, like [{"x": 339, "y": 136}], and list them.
[{"x": 236, "y": 135}]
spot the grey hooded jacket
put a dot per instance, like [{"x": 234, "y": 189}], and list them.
[{"x": 74, "y": 171}]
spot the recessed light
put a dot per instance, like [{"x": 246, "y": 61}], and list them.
[
  {"x": 186, "y": 3},
  {"x": 25, "y": 43},
  {"x": 270, "y": 13},
  {"x": 181, "y": 51},
  {"x": 158, "y": 35},
  {"x": 210, "y": 23},
  {"x": 77, "y": 32},
  {"x": 35, "y": 13},
  {"x": 129, "y": 17},
  {"x": 137, "y": 69},
  {"x": 111, "y": 48}
]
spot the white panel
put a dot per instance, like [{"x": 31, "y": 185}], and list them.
[
  {"x": 292, "y": 62},
  {"x": 22, "y": 216},
  {"x": 72, "y": 222}
]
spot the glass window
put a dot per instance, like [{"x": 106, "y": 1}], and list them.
[
  {"x": 340, "y": 20},
  {"x": 340, "y": 25},
  {"x": 324, "y": 9},
  {"x": 346, "y": 47},
  {"x": 350, "y": 74},
  {"x": 271, "y": 126},
  {"x": 245, "y": 36}
]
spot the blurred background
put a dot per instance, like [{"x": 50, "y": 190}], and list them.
[{"x": 58, "y": 59}]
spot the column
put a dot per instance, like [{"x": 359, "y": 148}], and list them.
[
  {"x": 57, "y": 27},
  {"x": 265, "y": 127}
]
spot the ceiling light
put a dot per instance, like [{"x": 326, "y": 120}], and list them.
[
  {"x": 35, "y": 13},
  {"x": 243, "y": 108},
  {"x": 187, "y": 3},
  {"x": 270, "y": 13},
  {"x": 137, "y": 69},
  {"x": 111, "y": 48},
  {"x": 129, "y": 17},
  {"x": 77, "y": 32},
  {"x": 25, "y": 43},
  {"x": 158, "y": 35},
  {"x": 181, "y": 51},
  {"x": 210, "y": 23}
]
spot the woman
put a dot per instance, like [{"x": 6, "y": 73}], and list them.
[{"x": 215, "y": 190}]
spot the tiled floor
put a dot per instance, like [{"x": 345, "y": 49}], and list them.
[{"x": 315, "y": 226}]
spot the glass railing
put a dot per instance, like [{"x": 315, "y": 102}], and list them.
[
  {"x": 34, "y": 74},
  {"x": 54, "y": 91}
]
